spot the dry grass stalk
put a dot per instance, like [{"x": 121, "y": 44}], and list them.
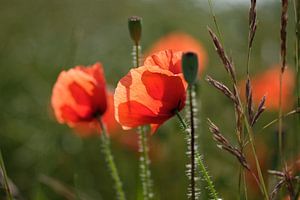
[
  {"x": 284, "y": 20},
  {"x": 252, "y": 22},
  {"x": 220, "y": 50},
  {"x": 221, "y": 87},
  {"x": 223, "y": 143},
  {"x": 286, "y": 178},
  {"x": 249, "y": 100},
  {"x": 276, "y": 189},
  {"x": 261, "y": 108}
]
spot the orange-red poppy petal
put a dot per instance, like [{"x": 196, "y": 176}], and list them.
[
  {"x": 143, "y": 96},
  {"x": 180, "y": 41},
  {"x": 79, "y": 94},
  {"x": 165, "y": 59}
]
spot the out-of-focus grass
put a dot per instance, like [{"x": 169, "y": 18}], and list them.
[{"x": 38, "y": 39}]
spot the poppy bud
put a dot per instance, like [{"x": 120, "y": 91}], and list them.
[
  {"x": 190, "y": 67},
  {"x": 135, "y": 28}
]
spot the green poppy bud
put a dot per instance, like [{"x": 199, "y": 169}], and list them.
[
  {"x": 135, "y": 28},
  {"x": 190, "y": 67}
]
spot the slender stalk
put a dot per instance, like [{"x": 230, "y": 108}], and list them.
[
  {"x": 260, "y": 176},
  {"x": 200, "y": 164},
  {"x": 230, "y": 69},
  {"x": 276, "y": 120},
  {"x": 192, "y": 121},
  {"x": 245, "y": 186},
  {"x": 297, "y": 47},
  {"x": 283, "y": 50},
  {"x": 251, "y": 139},
  {"x": 145, "y": 173},
  {"x": 110, "y": 162},
  {"x": 210, "y": 185},
  {"x": 5, "y": 178},
  {"x": 211, "y": 10},
  {"x": 297, "y": 66},
  {"x": 280, "y": 120}
]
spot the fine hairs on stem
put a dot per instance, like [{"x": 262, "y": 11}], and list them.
[
  {"x": 135, "y": 30},
  {"x": 190, "y": 72},
  {"x": 192, "y": 146},
  {"x": 200, "y": 163},
  {"x": 105, "y": 142}
]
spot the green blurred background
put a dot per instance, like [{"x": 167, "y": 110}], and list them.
[{"x": 39, "y": 38}]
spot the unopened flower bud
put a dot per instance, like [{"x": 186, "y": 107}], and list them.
[
  {"x": 190, "y": 67},
  {"x": 135, "y": 28}
]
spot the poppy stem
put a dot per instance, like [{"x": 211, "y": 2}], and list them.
[
  {"x": 145, "y": 172},
  {"x": 5, "y": 178},
  {"x": 200, "y": 163},
  {"x": 192, "y": 144},
  {"x": 110, "y": 161}
]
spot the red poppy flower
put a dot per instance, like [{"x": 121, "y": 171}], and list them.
[
  {"x": 150, "y": 94},
  {"x": 267, "y": 83},
  {"x": 108, "y": 118},
  {"x": 79, "y": 95},
  {"x": 179, "y": 41}
]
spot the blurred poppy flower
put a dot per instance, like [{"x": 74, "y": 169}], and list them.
[
  {"x": 79, "y": 96},
  {"x": 267, "y": 83},
  {"x": 108, "y": 118},
  {"x": 151, "y": 94},
  {"x": 179, "y": 41}
]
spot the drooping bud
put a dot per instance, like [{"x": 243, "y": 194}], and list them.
[
  {"x": 135, "y": 28},
  {"x": 190, "y": 67}
]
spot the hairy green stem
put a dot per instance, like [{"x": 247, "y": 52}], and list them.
[
  {"x": 210, "y": 185},
  {"x": 5, "y": 178},
  {"x": 110, "y": 162},
  {"x": 144, "y": 165},
  {"x": 192, "y": 121},
  {"x": 200, "y": 163},
  {"x": 145, "y": 173}
]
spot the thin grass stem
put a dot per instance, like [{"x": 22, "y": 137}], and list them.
[
  {"x": 296, "y": 5},
  {"x": 211, "y": 10},
  {"x": 276, "y": 120}
]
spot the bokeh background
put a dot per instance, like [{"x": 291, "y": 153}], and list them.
[{"x": 40, "y": 38}]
